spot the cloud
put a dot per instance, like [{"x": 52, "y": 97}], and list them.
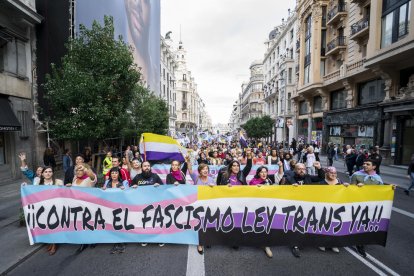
[{"x": 222, "y": 39}]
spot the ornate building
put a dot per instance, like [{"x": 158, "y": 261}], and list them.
[
  {"x": 167, "y": 80},
  {"x": 353, "y": 66},
  {"x": 280, "y": 79},
  {"x": 251, "y": 97}
]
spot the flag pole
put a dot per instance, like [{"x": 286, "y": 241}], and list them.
[{"x": 145, "y": 151}]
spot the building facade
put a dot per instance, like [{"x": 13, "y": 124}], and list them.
[
  {"x": 191, "y": 113},
  {"x": 251, "y": 97},
  {"x": 167, "y": 81},
  {"x": 18, "y": 89},
  {"x": 354, "y": 79},
  {"x": 279, "y": 65},
  {"x": 234, "y": 121}
]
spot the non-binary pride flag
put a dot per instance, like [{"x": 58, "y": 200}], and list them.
[
  {"x": 156, "y": 147},
  {"x": 308, "y": 215}
]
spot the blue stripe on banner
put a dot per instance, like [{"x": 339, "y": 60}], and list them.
[
  {"x": 152, "y": 194},
  {"x": 31, "y": 189},
  {"x": 88, "y": 237}
]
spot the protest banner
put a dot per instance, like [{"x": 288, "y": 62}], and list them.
[{"x": 316, "y": 215}]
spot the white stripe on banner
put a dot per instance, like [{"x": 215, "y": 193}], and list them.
[{"x": 162, "y": 147}]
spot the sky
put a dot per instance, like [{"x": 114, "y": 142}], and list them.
[{"x": 222, "y": 38}]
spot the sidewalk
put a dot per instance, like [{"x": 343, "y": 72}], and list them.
[{"x": 393, "y": 171}]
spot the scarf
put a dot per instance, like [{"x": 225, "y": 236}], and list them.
[
  {"x": 177, "y": 175},
  {"x": 83, "y": 177},
  {"x": 256, "y": 181}
]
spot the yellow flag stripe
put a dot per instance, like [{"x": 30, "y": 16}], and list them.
[
  {"x": 151, "y": 137},
  {"x": 313, "y": 193}
]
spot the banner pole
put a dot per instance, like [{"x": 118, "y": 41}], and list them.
[{"x": 145, "y": 151}]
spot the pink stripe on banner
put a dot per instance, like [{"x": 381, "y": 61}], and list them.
[
  {"x": 78, "y": 195},
  {"x": 109, "y": 227}
]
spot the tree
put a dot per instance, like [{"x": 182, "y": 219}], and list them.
[
  {"x": 90, "y": 93},
  {"x": 259, "y": 127},
  {"x": 149, "y": 114}
]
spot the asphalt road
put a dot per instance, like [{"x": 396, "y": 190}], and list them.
[{"x": 395, "y": 258}]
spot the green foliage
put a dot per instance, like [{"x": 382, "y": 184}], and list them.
[
  {"x": 89, "y": 95},
  {"x": 149, "y": 114},
  {"x": 259, "y": 127}
]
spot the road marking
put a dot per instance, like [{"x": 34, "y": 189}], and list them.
[
  {"x": 363, "y": 260},
  {"x": 383, "y": 266},
  {"x": 408, "y": 214},
  {"x": 195, "y": 262}
]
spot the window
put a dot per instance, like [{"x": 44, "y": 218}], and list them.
[
  {"x": 290, "y": 76},
  {"x": 184, "y": 77},
  {"x": 317, "y": 104},
  {"x": 289, "y": 103},
  {"x": 184, "y": 116},
  {"x": 395, "y": 21},
  {"x": 306, "y": 75},
  {"x": 303, "y": 108},
  {"x": 338, "y": 99},
  {"x": 307, "y": 61},
  {"x": 371, "y": 92},
  {"x": 13, "y": 58},
  {"x": 291, "y": 35},
  {"x": 322, "y": 68}
]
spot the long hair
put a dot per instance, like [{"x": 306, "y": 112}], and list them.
[
  {"x": 42, "y": 179},
  {"x": 115, "y": 169},
  {"x": 259, "y": 169},
  {"x": 228, "y": 171}
]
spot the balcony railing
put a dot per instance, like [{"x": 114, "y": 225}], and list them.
[
  {"x": 336, "y": 44},
  {"x": 336, "y": 12},
  {"x": 359, "y": 28},
  {"x": 307, "y": 59}
]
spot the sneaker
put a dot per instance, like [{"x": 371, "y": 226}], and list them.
[
  {"x": 121, "y": 248},
  {"x": 200, "y": 249},
  {"x": 296, "y": 251},
  {"x": 407, "y": 192},
  {"x": 322, "y": 248},
  {"x": 114, "y": 249},
  {"x": 268, "y": 252},
  {"x": 335, "y": 249},
  {"x": 144, "y": 244},
  {"x": 161, "y": 244},
  {"x": 361, "y": 250}
]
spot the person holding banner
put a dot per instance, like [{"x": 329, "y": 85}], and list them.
[
  {"x": 146, "y": 177},
  {"x": 366, "y": 176},
  {"x": 331, "y": 178},
  {"x": 203, "y": 178},
  {"x": 176, "y": 176},
  {"x": 300, "y": 177},
  {"x": 115, "y": 182},
  {"x": 123, "y": 172},
  {"x": 262, "y": 176},
  {"x": 47, "y": 178}
]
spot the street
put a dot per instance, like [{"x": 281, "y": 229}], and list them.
[{"x": 17, "y": 257}]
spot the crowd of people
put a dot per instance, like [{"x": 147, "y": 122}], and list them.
[{"x": 299, "y": 164}]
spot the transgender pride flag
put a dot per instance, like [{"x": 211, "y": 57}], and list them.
[{"x": 156, "y": 147}]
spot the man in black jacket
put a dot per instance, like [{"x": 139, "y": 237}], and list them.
[{"x": 300, "y": 177}]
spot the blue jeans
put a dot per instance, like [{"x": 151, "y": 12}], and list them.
[{"x": 412, "y": 182}]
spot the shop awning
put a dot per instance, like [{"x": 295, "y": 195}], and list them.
[{"x": 8, "y": 121}]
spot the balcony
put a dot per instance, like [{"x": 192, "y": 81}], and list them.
[
  {"x": 336, "y": 13},
  {"x": 297, "y": 45},
  {"x": 336, "y": 45},
  {"x": 360, "y": 29}
]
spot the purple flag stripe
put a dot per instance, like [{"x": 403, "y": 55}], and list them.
[
  {"x": 155, "y": 155},
  {"x": 279, "y": 220}
]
